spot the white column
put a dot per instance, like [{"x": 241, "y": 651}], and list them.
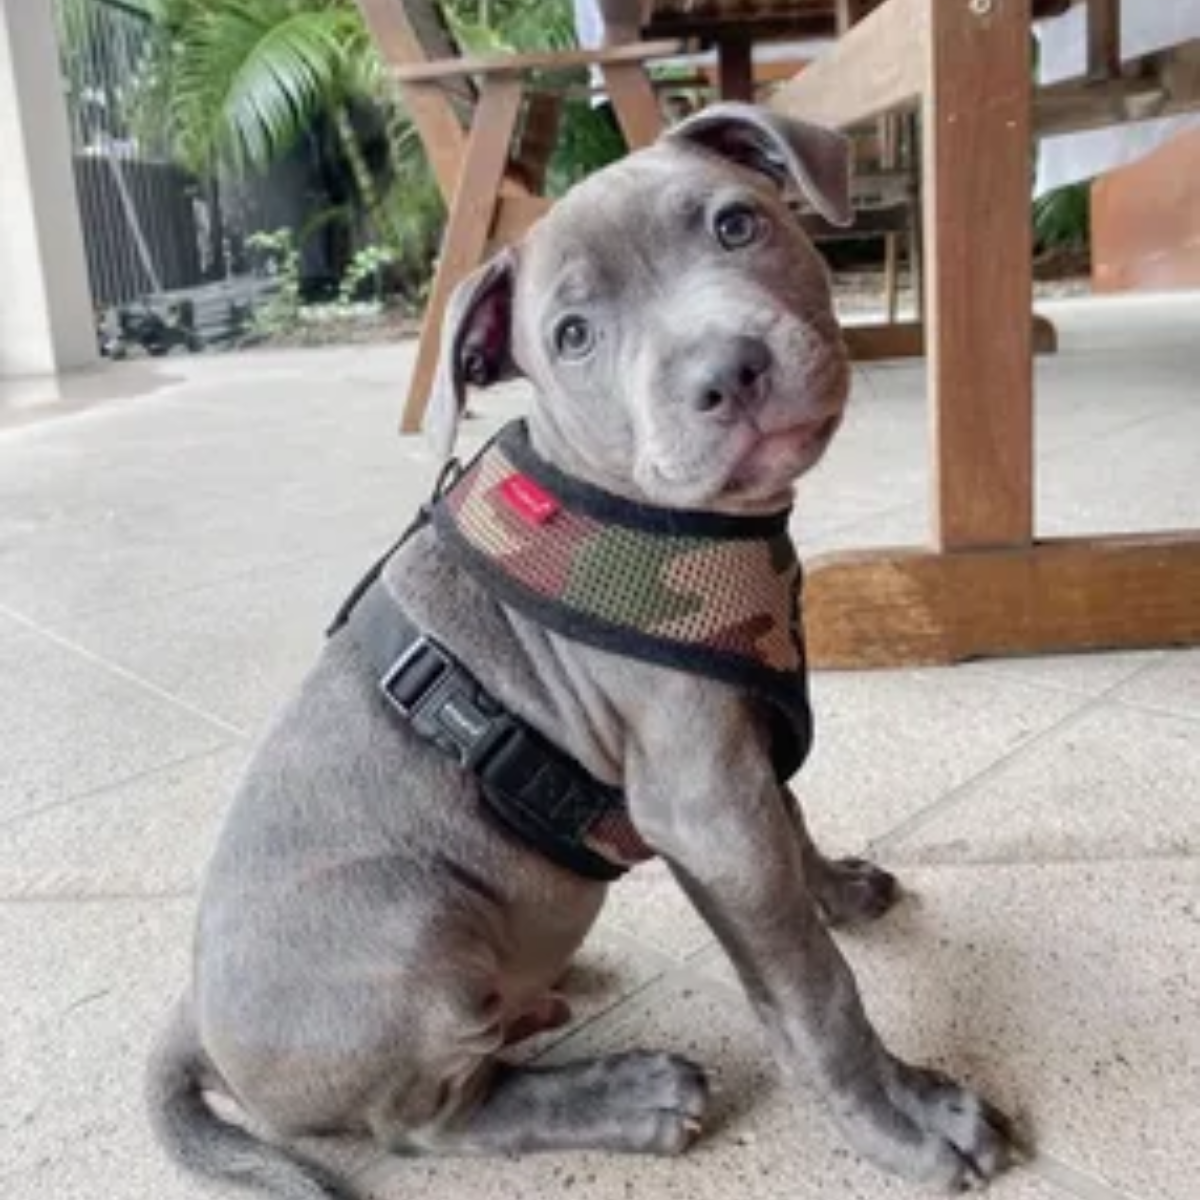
[{"x": 46, "y": 322}]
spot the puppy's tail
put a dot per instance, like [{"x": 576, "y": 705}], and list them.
[{"x": 202, "y": 1143}]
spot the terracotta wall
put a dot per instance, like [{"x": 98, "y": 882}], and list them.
[{"x": 1146, "y": 221}]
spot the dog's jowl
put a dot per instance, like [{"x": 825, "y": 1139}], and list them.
[{"x": 587, "y": 652}]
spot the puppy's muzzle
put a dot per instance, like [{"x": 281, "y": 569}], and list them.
[{"x": 726, "y": 375}]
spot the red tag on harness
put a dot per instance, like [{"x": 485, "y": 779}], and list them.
[{"x": 528, "y": 500}]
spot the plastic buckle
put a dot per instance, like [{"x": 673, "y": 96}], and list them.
[
  {"x": 415, "y": 661},
  {"x": 443, "y": 703}
]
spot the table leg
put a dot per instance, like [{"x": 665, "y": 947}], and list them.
[
  {"x": 634, "y": 102},
  {"x": 735, "y": 69}
]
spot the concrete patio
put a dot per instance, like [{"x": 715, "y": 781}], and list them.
[{"x": 173, "y": 536}]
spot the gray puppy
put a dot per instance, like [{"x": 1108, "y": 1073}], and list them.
[{"x": 368, "y": 940}]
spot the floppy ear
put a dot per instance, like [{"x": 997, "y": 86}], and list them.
[
  {"x": 476, "y": 346},
  {"x": 787, "y": 151}
]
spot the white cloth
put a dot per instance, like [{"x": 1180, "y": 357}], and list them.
[
  {"x": 1146, "y": 26},
  {"x": 589, "y": 25}
]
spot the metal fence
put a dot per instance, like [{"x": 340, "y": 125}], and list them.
[
  {"x": 140, "y": 221},
  {"x": 149, "y": 226}
]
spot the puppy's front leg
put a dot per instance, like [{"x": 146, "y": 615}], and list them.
[{"x": 722, "y": 823}]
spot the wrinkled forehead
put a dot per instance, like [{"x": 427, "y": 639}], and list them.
[{"x": 629, "y": 217}]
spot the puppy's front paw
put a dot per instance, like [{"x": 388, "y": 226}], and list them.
[
  {"x": 852, "y": 891},
  {"x": 977, "y": 1135},
  {"x": 662, "y": 1099},
  {"x": 931, "y": 1130}
]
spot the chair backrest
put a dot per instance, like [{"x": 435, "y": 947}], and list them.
[
  {"x": 411, "y": 32},
  {"x": 437, "y": 41}
]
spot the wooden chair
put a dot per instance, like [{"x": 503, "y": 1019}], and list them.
[
  {"x": 488, "y": 125},
  {"x": 985, "y": 584},
  {"x": 1114, "y": 91}
]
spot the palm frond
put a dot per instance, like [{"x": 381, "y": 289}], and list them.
[{"x": 249, "y": 79}]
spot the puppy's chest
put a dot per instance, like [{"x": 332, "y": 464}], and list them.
[{"x": 520, "y": 580}]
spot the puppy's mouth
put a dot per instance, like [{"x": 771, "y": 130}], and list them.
[
  {"x": 777, "y": 456},
  {"x": 805, "y": 436}
]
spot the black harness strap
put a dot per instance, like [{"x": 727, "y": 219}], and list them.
[
  {"x": 450, "y": 473},
  {"x": 528, "y": 785}
]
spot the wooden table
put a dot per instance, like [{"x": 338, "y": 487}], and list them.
[
  {"x": 732, "y": 27},
  {"x": 985, "y": 584}
]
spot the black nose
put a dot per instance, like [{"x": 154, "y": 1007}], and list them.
[{"x": 727, "y": 371}]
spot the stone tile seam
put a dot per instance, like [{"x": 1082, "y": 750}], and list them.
[
  {"x": 128, "y": 676},
  {"x": 681, "y": 971},
  {"x": 1110, "y": 694},
  {"x": 249, "y": 574},
  {"x": 131, "y": 896},
  {"x": 961, "y": 792},
  {"x": 993, "y": 671},
  {"x": 29, "y": 814},
  {"x": 1075, "y": 1181},
  {"x": 822, "y": 531},
  {"x": 1155, "y": 710},
  {"x": 83, "y": 887},
  {"x": 1058, "y": 1175},
  {"x": 1170, "y": 409},
  {"x": 1052, "y": 1170},
  {"x": 691, "y": 971},
  {"x": 1048, "y": 454},
  {"x": 608, "y": 1011},
  {"x": 1143, "y": 858}
]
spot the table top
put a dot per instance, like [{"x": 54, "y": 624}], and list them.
[{"x": 816, "y": 17}]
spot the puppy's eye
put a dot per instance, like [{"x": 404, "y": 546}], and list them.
[
  {"x": 737, "y": 227},
  {"x": 573, "y": 338}
]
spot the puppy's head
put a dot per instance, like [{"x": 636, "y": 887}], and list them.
[{"x": 675, "y": 320}]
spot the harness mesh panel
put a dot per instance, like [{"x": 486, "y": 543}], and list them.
[{"x": 736, "y": 596}]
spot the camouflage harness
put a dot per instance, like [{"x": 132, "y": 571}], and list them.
[{"x": 709, "y": 594}]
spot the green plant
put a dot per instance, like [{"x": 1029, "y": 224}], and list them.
[
  {"x": 238, "y": 83},
  {"x": 367, "y": 264},
  {"x": 279, "y": 258},
  {"x": 1062, "y": 218},
  {"x": 234, "y": 84},
  {"x": 589, "y": 139},
  {"x": 517, "y": 25}
]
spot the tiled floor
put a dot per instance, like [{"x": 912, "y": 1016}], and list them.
[{"x": 172, "y": 537}]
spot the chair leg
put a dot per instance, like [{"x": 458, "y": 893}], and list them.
[
  {"x": 539, "y": 137},
  {"x": 470, "y": 222},
  {"x": 634, "y": 102},
  {"x": 916, "y": 246},
  {"x": 891, "y": 276},
  {"x": 888, "y": 132}
]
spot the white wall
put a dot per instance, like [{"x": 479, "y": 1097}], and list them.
[{"x": 46, "y": 321}]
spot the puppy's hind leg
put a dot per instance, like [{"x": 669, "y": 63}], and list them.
[
  {"x": 848, "y": 891},
  {"x": 634, "y": 1103}
]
